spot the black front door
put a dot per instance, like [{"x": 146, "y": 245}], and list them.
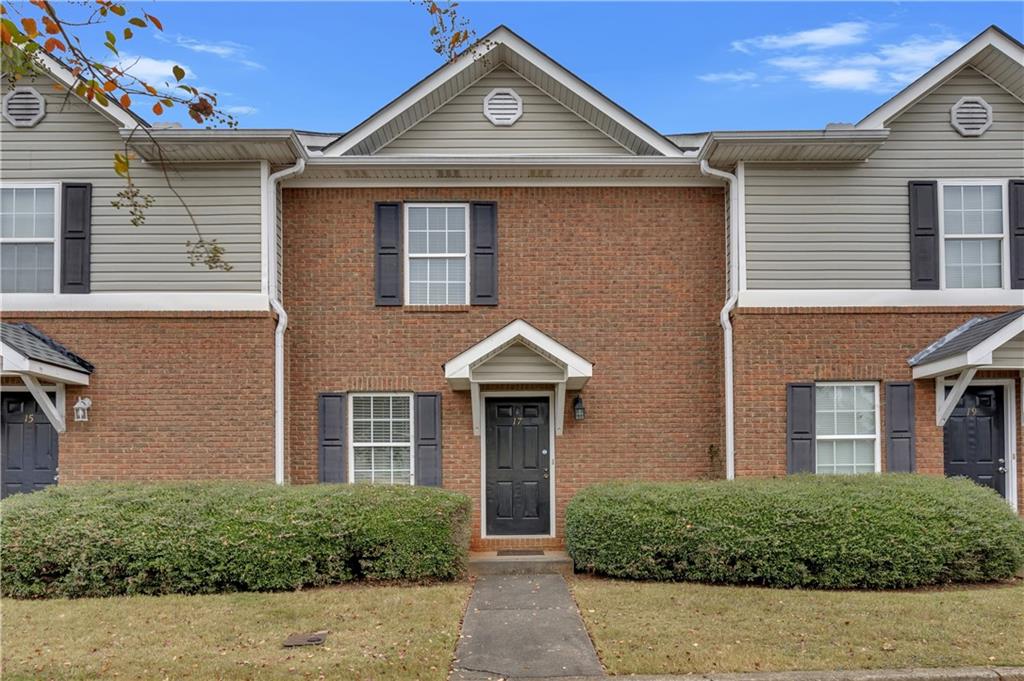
[
  {"x": 518, "y": 450},
  {"x": 29, "y": 446},
  {"x": 975, "y": 438}
]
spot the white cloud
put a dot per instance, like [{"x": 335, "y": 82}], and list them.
[
  {"x": 225, "y": 49},
  {"x": 844, "y": 79},
  {"x": 728, "y": 77},
  {"x": 241, "y": 110},
  {"x": 798, "y": 63},
  {"x": 836, "y": 35},
  {"x": 153, "y": 71}
]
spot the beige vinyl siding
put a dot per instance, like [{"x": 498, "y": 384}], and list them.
[
  {"x": 1010, "y": 354},
  {"x": 546, "y": 127},
  {"x": 518, "y": 364},
  {"x": 847, "y": 226},
  {"x": 75, "y": 143}
]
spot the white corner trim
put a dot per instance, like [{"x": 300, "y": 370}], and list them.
[
  {"x": 880, "y": 298},
  {"x": 155, "y": 301},
  {"x": 268, "y": 233}
]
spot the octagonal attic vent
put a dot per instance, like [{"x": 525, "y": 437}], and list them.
[
  {"x": 503, "y": 106},
  {"x": 971, "y": 116},
  {"x": 23, "y": 107}
]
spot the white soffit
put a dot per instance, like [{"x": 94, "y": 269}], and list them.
[{"x": 501, "y": 46}]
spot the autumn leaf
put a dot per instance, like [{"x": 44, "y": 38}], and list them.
[
  {"x": 29, "y": 24},
  {"x": 118, "y": 10},
  {"x": 158, "y": 109},
  {"x": 52, "y": 45},
  {"x": 121, "y": 164},
  {"x": 135, "y": 21},
  {"x": 50, "y": 25},
  {"x": 125, "y": 101},
  {"x": 111, "y": 38},
  {"x": 128, "y": 34},
  {"x": 179, "y": 72},
  {"x": 149, "y": 88},
  {"x": 153, "y": 20},
  {"x": 110, "y": 86}
]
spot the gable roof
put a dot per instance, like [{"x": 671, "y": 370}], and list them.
[
  {"x": 501, "y": 46},
  {"x": 32, "y": 343},
  {"x": 967, "y": 336},
  {"x": 993, "y": 52}
]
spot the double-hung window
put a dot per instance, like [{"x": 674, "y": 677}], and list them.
[
  {"x": 437, "y": 254},
  {"x": 974, "y": 226},
  {"x": 380, "y": 438},
  {"x": 846, "y": 425},
  {"x": 28, "y": 238}
]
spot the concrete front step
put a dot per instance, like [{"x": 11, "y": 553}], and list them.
[{"x": 545, "y": 562}]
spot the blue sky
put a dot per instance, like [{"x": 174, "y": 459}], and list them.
[{"x": 680, "y": 67}]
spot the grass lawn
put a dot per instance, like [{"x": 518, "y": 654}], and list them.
[
  {"x": 376, "y": 632},
  {"x": 656, "y": 628}
]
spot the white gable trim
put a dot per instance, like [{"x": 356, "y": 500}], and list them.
[
  {"x": 945, "y": 69},
  {"x": 977, "y": 357},
  {"x": 503, "y": 36},
  {"x": 14, "y": 363},
  {"x": 112, "y": 112}
]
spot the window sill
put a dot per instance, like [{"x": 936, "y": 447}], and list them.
[{"x": 415, "y": 309}]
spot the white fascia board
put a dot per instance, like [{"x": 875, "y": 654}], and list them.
[
  {"x": 880, "y": 298},
  {"x": 458, "y": 368},
  {"x": 944, "y": 367},
  {"x": 944, "y": 70},
  {"x": 112, "y": 112},
  {"x": 13, "y": 363},
  {"x": 503, "y": 36},
  {"x": 432, "y": 160},
  {"x": 182, "y": 301},
  {"x": 411, "y": 96},
  {"x": 982, "y": 352}
]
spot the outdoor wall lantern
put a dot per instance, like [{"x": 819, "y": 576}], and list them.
[
  {"x": 578, "y": 410},
  {"x": 82, "y": 409}
]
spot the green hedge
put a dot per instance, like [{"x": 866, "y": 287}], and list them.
[
  {"x": 868, "y": 531},
  {"x": 104, "y": 540}
]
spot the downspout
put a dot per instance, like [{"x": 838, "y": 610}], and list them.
[
  {"x": 723, "y": 317},
  {"x": 282, "y": 316}
]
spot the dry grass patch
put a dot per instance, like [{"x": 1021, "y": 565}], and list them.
[
  {"x": 377, "y": 632},
  {"x": 663, "y": 628}
]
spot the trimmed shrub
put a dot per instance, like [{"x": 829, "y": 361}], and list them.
[
  {"x": 828, "y": 532},
  {"x": 104, "y": 539}
]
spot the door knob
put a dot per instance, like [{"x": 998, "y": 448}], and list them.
[{"x": 1001, "y": 469}]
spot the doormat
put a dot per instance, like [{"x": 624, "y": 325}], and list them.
[
  {"x": 520, "y": 552},
  {"x": 317, "y": 638}
]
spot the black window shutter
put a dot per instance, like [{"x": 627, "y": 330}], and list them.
[
  {"x": 332, "y": 451},
  {"x": 388, "y": 246},
  {"x": 800, "y": 428},
  {"x": 484, "y": 253},
  {"x": 1016, "y": 233},
  {"x": 76, "y": 237},
  {"x": 924, "y": 234},
  {"x": 899, "y": 426},
  {"x": 427, "y": 439}
]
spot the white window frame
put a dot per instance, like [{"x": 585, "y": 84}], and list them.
[
  {"x": 833, "y": 438},
  {"x": 58, "y": 201},
  {"x": 1004, "y": 251},
  {"x": 351, "y": 433},
  {"x": 409, "y": 256}
]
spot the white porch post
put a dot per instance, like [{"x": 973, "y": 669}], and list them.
[{"x": 945, "y": 404}]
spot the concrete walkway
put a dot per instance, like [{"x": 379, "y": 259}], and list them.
[{"x": 523, "y": 627}]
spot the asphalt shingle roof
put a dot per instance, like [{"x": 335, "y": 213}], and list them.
[
  {"x": 34, "y": 344},
  {"x": 965, "y": 337}
]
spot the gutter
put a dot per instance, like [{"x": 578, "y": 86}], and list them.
[
  {"x": 282, "y": 316},
  {"x": 723, "y": 317}
]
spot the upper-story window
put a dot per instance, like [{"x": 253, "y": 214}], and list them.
[
  {"x": 974, "y": 227},
  {"x": 28, "y": 238},
  {"x": 437, "y": 254}
]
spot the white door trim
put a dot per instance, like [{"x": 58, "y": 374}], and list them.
[
  {"x": 1010, "y": 421},
  {"x": 484, "y": 394}
]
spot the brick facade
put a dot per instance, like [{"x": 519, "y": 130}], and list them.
[
  {"x": 774, "y": 347},
  {"x": 630, "y": 278},
  {"x": 175, "y": 395}
]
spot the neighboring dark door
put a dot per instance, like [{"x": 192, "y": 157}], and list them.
[
  {"x": 975, "y": 438},
  {"x": 29, "y": 446},
  {"x": 518, "y": 447}
]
